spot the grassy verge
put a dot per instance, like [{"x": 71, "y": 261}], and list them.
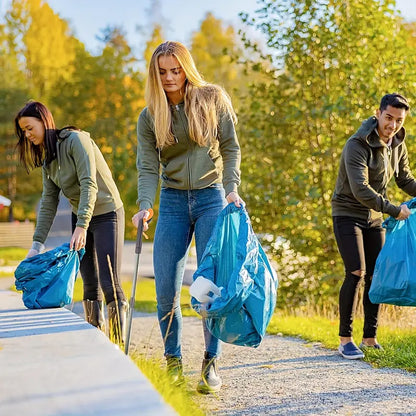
[
  {"x": 399, "y": 342},
  {"x": 183, "y": 400},
  {"x": 11, "y": 256}
]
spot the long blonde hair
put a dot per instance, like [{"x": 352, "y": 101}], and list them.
[{"x": 204, "y": 103}]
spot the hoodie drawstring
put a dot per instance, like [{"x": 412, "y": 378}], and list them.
[
  {"x": 387, "y": 153},
  {"x": 386, "y": 165},
  {"x": 396, "y": 160}
]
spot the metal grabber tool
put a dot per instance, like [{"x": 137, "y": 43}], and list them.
[{"x": 138, "y": 250}]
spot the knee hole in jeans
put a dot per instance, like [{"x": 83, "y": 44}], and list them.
[{"x": 358, "y": 273}]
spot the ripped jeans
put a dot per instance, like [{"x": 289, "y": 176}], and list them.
[{"x": 359, "y": 243}]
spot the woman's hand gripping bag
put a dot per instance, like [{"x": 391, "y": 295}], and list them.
[
  {"x": 47, "y": 279},
  {"x": 394, "y": 278},
  {"x": 235, "y": 286}
]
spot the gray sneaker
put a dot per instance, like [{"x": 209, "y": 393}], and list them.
[{"x": 375, "y": 347}]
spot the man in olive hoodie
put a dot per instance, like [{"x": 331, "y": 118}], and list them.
[{"x": 370, "y": 158}]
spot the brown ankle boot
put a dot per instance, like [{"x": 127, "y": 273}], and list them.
[
  {"x": 210, "y": 380},
  {"x": 94, "y": 313},
  {"x": 117, "y": 320}
]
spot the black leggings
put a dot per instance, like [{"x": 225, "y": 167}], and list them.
[
  {"x": 105, "y": 237},
  {"x": 359, "y": 243}
]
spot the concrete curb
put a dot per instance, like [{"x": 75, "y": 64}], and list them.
[{"x": 53, "y": 363}]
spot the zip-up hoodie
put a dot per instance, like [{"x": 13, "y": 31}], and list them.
[
  {"x": 185, "y": 164},
  {"x": 366, "y": 167},
  {"x": 81, "y": 172}
]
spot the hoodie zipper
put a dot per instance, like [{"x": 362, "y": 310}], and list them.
[
  {"x": 59, "y": 164},
  {"x": 58, "y": 176},
  {"x": 187, "y": 157}
]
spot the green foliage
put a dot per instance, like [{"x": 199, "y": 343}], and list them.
[
  {"x": 101, "y": 94},
  {"x": 332, "y": 62},
  {"x": 326, "y": 66},
  {"x": 212, "y": 49}
]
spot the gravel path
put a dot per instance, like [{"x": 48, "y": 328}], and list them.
[{"x": 285, "y": 376}]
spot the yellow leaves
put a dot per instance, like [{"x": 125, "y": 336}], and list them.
[
  {"x": 156, "y": 39},
  {"x": 106, "y": 149}
]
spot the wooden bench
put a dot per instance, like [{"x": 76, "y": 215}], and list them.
[{"x": 16, "y": 234}]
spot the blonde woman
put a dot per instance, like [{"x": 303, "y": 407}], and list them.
[{"x": 187, "y": 129}]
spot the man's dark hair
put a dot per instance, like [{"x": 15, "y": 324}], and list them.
[{"x": 395, "y": 100}]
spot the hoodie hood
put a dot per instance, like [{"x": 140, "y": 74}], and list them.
[
  {"x": 367, "y": 134},
  {"x": 66, "y": 132}
]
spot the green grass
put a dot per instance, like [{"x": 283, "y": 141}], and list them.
[
  {"x": 399, "y": 343},
  {"x": 11, "y": 256},
  {"x": 183, "y": 400}
]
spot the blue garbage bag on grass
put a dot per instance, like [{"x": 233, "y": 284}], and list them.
[
  {"x": 47, "y": 279},
  {"x": 235, "y": 262},
  {"x": 394, "y": 278}
]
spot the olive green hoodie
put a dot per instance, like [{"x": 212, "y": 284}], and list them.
[
  {"x": 185, "y": 164},
  {"x": 81, "y": 172},
  {"x": 366, "y": 167}
]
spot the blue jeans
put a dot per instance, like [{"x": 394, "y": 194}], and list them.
[{"x": 182, "y": 213}]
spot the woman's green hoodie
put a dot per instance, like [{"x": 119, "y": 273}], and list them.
[
  {"x": 81, "y": 172},
  {"x": 185, "y": 164},
  {"x": 366, "y": 167}
]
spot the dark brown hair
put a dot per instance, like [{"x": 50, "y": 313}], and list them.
[{"x": 32, "y": 156}]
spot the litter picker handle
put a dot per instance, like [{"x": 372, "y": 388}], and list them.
[
  {"x": 138, "y": 250},
  {"x": 139, "y": 238}
]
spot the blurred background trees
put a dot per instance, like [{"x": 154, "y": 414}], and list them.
[{"x": 321, "y": 67}]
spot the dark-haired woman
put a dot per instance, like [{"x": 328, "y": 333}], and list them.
[{"x": 72, "y": 163}]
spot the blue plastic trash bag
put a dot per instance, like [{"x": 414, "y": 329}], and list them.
[
  {"x": 47, "y": 279},
  {"x": 243, "y": 283},
  {"x": 394, "y": 278}
]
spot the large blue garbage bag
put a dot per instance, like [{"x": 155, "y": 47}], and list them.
[
  {"x": 394, "y": 278},
  {"x": 47, "y": 279},
  {"x": 235, "y": 261}
]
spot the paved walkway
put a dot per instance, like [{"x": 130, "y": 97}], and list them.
[{"x": 53, "y": 363}]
